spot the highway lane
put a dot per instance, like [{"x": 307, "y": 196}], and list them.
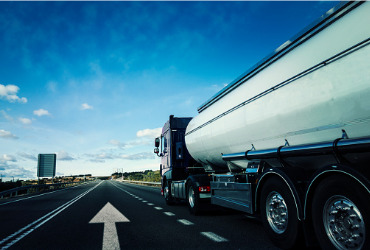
[
  {"x": 18, "y": 212},
  {"x": 152, "y": 224},
  {"x": 239, "y": 231}
]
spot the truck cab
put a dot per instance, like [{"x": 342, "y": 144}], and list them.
[
  {"x": 173, "y": 152},
  {"x": 178, "y": 169}
]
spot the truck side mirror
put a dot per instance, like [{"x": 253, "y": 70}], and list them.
[
  {"x": 156, "y": 142},
  {"x": 156, "y": 150}
]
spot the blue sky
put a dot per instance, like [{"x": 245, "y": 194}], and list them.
[{"x": 95, "y": 81}]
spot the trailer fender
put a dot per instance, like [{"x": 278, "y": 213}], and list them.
[
  {"x": 198, "y": 180},
  {"x": 320, "y": 175},
  {"x": 193, "y": 195},
  {"x": 285, "y": 178},
  {"x": 345, "y": 226}
]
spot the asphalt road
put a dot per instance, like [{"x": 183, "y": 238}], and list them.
[{"x": 113, "y": 215}]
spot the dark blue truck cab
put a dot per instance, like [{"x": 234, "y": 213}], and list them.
[{"x": 182, "y": 177}]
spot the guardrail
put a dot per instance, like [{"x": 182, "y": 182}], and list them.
[
  {"x": 34, "y": 188},
  {"x": 157, "y": 184}
]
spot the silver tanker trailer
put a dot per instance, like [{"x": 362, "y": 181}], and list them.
[{"x": 288, "y": 141}]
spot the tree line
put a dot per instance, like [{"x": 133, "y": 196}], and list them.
[{"x": 147, "y": 175}]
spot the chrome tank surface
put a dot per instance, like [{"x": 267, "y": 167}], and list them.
[{"x": 318, "y": 86}]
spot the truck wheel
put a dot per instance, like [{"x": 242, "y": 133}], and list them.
[
  {"x": 167, "y": 194},
  {"x": 339, "y": 214},
  {"x": 279, "y": 214},
  {"x": 193, "y": 199}
]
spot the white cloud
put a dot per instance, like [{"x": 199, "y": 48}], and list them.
[
  {"x": 28, "y": 156},
  {"x": 101, "y": 157},
  {"x": 130, "y": 144},
  {"x": 15, "y": 171},
  {"x": 138, "y": 156},
  {"x": 6, "y": 116},
  {"x": 64, "y": 156},
  {"x": 97, "y": 160},
  {"x": 5, "y": 158},
  {"x": 151, "y": 133},
  {"x": 144, "y": 137},
  {"x": 9, "y": 93},
  {"x": 25, "y": 121},
  {"x": 104, "y": 156},
  {"x": 7, "y": 135},
  {"x": 85, "y": 106},
  {"x": 117, "y": 143},
  {"x": 52, "y": 86},
  {"x": 41, "y": 112}
]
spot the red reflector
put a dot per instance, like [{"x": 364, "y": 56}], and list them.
[{"x": 204, "y": 189}]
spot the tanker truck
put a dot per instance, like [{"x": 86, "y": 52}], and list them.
[{"x": 288, "y": 141}]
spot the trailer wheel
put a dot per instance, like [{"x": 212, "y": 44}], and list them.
[
  {"x": 339, "y": 214},
  {"x": 279, "y": 214},
  {"x": 167, "y": 194},
  {"x": 193, "y": 199}
]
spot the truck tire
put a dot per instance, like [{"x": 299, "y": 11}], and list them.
[
  {"x": 279, "y": 214},
  {"x": 339, "y": 214},
  {"x": 167, "y": 194},
  {"x": 193, "y": 199}
]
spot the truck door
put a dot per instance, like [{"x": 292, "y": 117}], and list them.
[{"x": 166, "y": 151}]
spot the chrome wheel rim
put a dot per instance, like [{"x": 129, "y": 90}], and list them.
[
  {"x": 343, "y": 222},
  {"x": 191, "y": 197},
  {"x": 166, "y": 192},
  {"x": 277, "y": 212}
]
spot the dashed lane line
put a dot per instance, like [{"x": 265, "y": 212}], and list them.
[
  {"x": 185, "y": 222},
  {"x": 214, "y": 237},
  {"x": 210, "y": 235},
  {"x": 169, "y": 213}
]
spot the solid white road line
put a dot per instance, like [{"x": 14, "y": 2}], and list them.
[
  {"x": 37, "y": 223},
  {"x": 38, "y": 195},
  {"x": 214, "y": 237},
  {"x": 26, "y": 198}
]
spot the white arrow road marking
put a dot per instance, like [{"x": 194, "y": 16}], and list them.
[{"x": 109, "y": 215}]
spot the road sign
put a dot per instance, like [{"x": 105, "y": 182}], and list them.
[{"x": 46, "y": 165}]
